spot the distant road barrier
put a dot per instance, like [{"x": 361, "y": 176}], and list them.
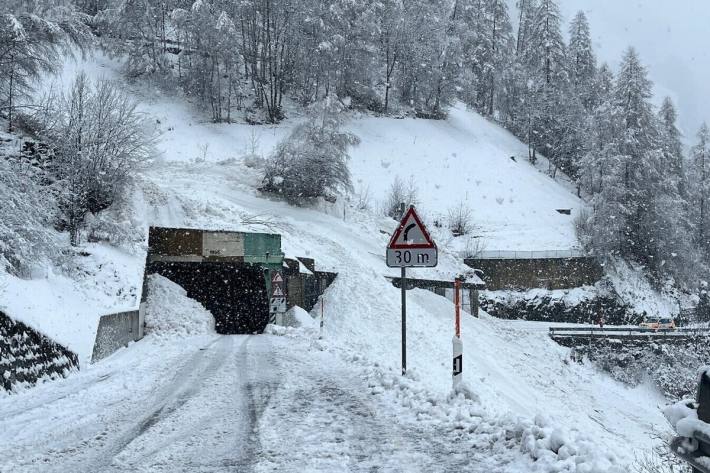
[
  {"x": 543, "y": 254},
  {"x": 557, "y": 333}
]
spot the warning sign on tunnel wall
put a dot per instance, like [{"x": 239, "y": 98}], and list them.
[{"x": 277, "y": 303}]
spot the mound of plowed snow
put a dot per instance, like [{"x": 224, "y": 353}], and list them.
[{"x": 170, "y": 312}]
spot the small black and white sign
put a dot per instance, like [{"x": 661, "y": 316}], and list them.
[{"x": 458, "y": 365}]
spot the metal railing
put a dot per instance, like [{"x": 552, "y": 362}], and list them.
[
  {"x": 543, "y": 254},
  {"x": 626, "y": 331}
]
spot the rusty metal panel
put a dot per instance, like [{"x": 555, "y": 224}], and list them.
[
  {"x": 175, "y": 242},
  {"x": 192, "y": 245}
]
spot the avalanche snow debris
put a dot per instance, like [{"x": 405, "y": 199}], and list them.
[{"x": 169, "y": 312}]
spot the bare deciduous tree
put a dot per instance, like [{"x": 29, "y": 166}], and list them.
[{"x": 101, "y": 140}]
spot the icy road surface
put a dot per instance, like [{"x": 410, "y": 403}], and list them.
[{"x": 224, "y": 403}]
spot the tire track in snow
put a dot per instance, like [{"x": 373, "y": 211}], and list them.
[{"x": 170, "y": 397}]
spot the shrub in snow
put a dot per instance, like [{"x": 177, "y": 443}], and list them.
[
  {"x": 460, "y": 219},
  {"x": 170, "y": 312},
  {"x": 474, "y": 247},
  {"x": 312, "y": 161},
  {"x": 400, "y": 193}
]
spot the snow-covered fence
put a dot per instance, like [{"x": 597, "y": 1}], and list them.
[
  {"x": 28, "y": 357},
  {"x": 116, "y": 331}
]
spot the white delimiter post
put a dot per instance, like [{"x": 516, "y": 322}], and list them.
[
  {"x": 457, "y": 371},
  {"x": 321, "y": 316}
]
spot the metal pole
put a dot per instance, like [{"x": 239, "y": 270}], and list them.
[{"x": 404, "y": 321}]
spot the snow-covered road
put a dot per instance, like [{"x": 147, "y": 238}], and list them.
[{"x": 223, "y": 403}]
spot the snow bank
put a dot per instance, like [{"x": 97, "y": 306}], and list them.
[
  {"x": 298, "y": 317},
  {"x": 170, "y": 312},
  {"x": 635, "y": 290},
  {"x": 104, "y": 280},
  {"x": 512, "y": 369}
]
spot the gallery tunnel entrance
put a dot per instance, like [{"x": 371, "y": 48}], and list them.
[{"x": 227, "y": 272}]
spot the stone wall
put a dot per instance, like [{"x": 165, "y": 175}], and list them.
[
  {"x": 28, "y": 357},
  {"x": 550, "y": 308},
  {"x": 546, "y": 273}
]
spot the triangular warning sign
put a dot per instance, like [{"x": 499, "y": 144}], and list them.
[
  {"x": 277, "y": 292},
  {"x": 277, "y": 278},
  {"x": 411, "y": 233}
]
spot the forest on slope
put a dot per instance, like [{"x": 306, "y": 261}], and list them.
[{"x": 255, "y": 60}]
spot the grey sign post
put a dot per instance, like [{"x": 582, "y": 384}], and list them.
[{"x": 410, "y": 247}]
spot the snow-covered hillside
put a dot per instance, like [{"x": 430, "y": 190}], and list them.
[
  {"x": 467, "y": 159},
  {"x": 201, "y": 179},
  {"x": 204, "y": 180}
]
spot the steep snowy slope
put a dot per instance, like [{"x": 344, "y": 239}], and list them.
[
  {"x": 462, "y": 159},
  {"x": 467, "y": 159}
]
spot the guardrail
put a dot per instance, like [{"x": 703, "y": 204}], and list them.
[
  {"x": 557, "y": 332},
  {"x": 543, "y": 254}
]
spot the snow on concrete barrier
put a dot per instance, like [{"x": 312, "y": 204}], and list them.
[
  {"x": 116, "y": 331},
  {"x": 28, "y": 357}
]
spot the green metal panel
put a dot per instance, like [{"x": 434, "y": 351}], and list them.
[
  {"x": 262, "y": 243},
  {"x": 264, "y": 249}
]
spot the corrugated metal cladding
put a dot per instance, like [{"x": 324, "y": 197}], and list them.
[{"x": 228, "y": 272}]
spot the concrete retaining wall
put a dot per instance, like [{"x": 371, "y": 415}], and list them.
[
  {"x": 546, "y": 273},
  {"x": 116, "y": 331},
  {"x": 28, "y": 357}
]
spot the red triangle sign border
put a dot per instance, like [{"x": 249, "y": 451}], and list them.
[{"x": 395, "y": 236}]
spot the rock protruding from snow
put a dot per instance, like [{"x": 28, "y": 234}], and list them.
[{"x": 170, "y": 313}]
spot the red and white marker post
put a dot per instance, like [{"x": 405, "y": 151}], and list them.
[{"x": 457, "y": 343}]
